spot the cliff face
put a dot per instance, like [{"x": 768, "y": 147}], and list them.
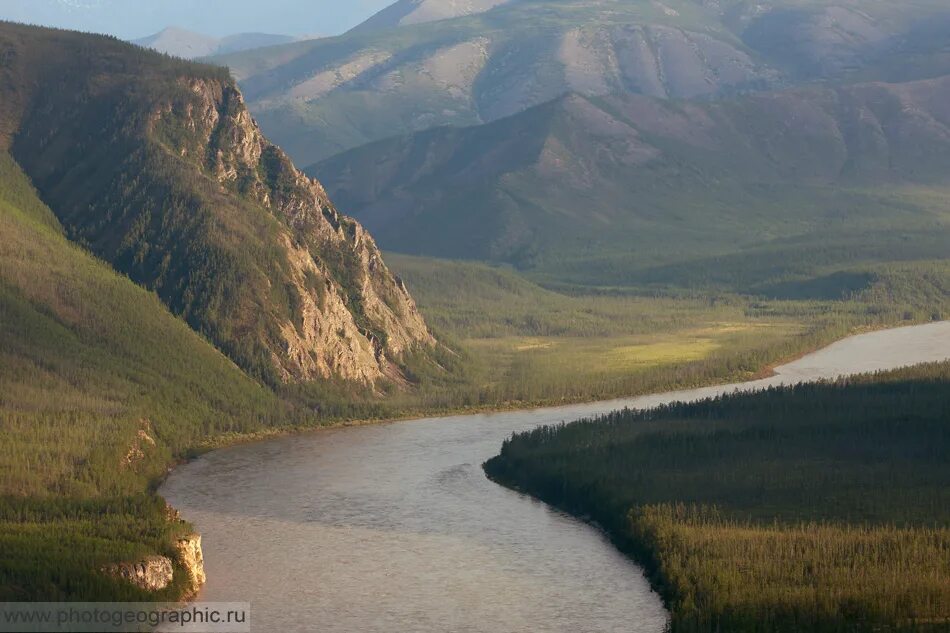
[
  {"x": 152, "y": 573},
  {"x": 351, "y": 316},
  {"x": 157, "y": 166},
  {"x": 192, "y": 560}
]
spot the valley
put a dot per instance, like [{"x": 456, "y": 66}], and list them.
[
  {"x": 368, "y": 328},
  {"x": 527, "y": 345},
  {"x": 404, "y": 530}
]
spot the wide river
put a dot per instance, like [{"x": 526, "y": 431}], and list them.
[{"x": 395, "y": 528}]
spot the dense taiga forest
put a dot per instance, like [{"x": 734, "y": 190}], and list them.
[{"x": 820, "y": 507}]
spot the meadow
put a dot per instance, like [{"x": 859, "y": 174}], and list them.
[{"x": 524, "y": 344}]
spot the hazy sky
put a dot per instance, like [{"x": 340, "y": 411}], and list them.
[{"x": 137, "y": 18}]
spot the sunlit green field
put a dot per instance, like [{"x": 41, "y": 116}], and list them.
[
  {"x": 528, "y": 344},
  {"x": 558, "y": 360}
]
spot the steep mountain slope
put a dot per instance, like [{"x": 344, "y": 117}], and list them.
[
  {"x": 158, "y": 168},
  {"x": 629, "y": 189},
  {"x": 100, "y": 388},
  {"x": 190, "y": 45},
  {"x": 406, "y": 12},
  {"x": 322, "y": 97}
]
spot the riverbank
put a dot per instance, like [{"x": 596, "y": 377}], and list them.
[
  {"x": 818, "y": 507},
  {"x": 386, "y": 490},
  {"x": 809, "y": 345}
]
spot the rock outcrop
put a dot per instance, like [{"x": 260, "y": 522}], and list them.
[
  {"x": 192, "y": 560},
  {"x": 152, "y": 573},
  {"x": 352, "y": 318}
]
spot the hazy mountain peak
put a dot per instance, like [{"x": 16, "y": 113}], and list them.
[
  {"x": 192, "y": 45},
  {"x": 405, "y": 12},
  {"x": 180, "y": 43}
]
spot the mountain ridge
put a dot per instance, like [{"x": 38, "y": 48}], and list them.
[
  {"x": 406, "y": 12},
  {"x": 187, "y": 44},
  {"x": 188, "y": 198},
  {"x": 322, "y": 97},
  {"x": 636, "y": 188}
]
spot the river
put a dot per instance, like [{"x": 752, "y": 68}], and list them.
[{"x": 395, "y": 528}]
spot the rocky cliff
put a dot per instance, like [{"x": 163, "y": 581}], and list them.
[
  {"x": 157, "y": 166},
  {"x": 154, "y": 573},
  {"x": 351, "y": 316},
  {"x": 191, "y": 558}
]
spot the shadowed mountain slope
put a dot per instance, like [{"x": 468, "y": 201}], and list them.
[
  {"x": 629, "y": 189},
  {"x": 406, "y": 12}
]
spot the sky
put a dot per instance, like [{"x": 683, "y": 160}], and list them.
[{"x": 131, "y": 19}]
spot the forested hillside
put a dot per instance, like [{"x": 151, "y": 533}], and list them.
[
  {"x": 156, "y": 166},
  {"x": 100, "y": 388},
  {"x": 817, "y": 507}
]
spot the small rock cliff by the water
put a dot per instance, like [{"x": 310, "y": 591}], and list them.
[
  {"x": 192, "y": 560},
  {"x": 154, "y": 573}
]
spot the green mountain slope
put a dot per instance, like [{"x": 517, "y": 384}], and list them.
[
  {"x": 100, "y": 388},
  {"x": 157, "y": 167},
  {"x": 318, "y": 98},
  {"x": 629, "y": 190}
]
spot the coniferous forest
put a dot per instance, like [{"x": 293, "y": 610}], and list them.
[{"x": 818, "y": 507}]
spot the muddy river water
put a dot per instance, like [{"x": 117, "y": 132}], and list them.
[{"x": 395, "y": 528}]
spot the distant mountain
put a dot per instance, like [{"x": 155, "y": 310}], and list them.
[
  {"x": 190, "y": 45},
  {"x": 405, "y": 12},
  {"x": 628, "y": 189},
  {"x": 156, "y": 166},
  {"x": 319, "y": 98}
]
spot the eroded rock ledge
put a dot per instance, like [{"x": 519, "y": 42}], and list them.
[{"x": 155, "y": 573}]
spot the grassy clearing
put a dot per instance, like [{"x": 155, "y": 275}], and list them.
[{"x": 525, "y": 344}]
